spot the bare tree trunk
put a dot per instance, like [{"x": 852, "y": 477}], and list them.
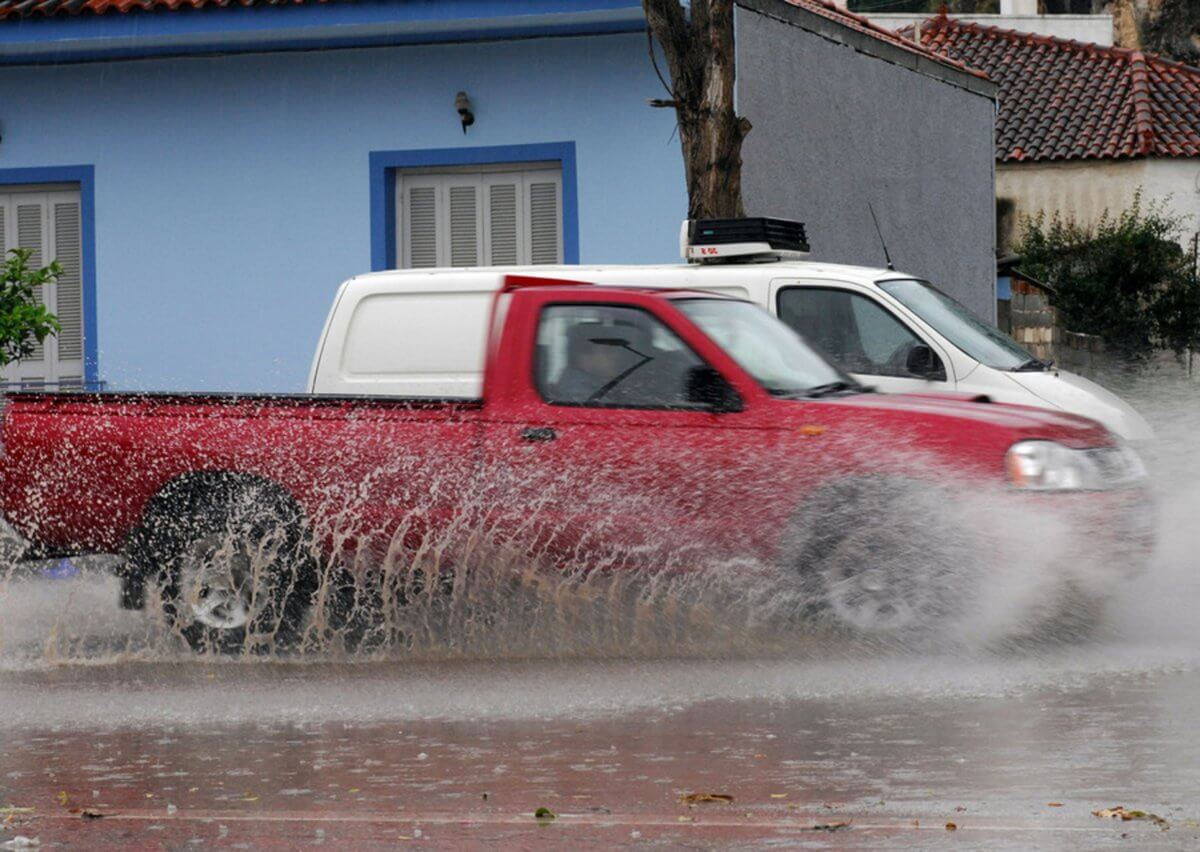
[{"x": 700, "y": 60}]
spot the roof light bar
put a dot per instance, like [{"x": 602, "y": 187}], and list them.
[{"x": 709, "y": 240}]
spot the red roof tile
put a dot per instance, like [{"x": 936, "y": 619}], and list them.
[
  {"x": 862, "y": 25},
  {"x": 1066, "y": 100}
]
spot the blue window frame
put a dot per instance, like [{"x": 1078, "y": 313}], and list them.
[
  {"x": 84, "y": 177},
  {"x": 384, "y": 165}
]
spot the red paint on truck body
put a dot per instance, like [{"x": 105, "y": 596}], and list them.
[{"x": 79, "y": 469}]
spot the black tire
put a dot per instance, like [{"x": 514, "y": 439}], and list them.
[
  {"x": 875, "y": 558},
  {"x": 229, "y": 556}
]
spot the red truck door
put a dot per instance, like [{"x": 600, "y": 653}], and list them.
[{"x": 599, "y": 450}]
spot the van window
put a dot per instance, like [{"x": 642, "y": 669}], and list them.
[
  {"x": 853, "y": 331},
  {"x": 982, "y": 341}
]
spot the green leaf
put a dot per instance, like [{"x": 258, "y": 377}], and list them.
[
  {"x": 1124, "y": 277},
  {"x": 24, "y": 323}
]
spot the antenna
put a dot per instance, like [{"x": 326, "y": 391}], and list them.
[{"x": 891, "y": 266}]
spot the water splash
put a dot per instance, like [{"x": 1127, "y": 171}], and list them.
[{"x": 487, "y": 585}]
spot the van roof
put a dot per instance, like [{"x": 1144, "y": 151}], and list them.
[{"x": 769, "y": 269}]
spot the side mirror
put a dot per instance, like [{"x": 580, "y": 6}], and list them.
[
  {"x": 707, "y": 387},
  {"x": 924, "y": 363}
]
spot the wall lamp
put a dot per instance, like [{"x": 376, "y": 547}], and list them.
[{"x": 463, "y": 104}]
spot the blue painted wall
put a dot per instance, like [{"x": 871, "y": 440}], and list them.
[{"x": 233, "y": 193}]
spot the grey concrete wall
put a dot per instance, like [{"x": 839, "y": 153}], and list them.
[{"x": 836, "y": 129}]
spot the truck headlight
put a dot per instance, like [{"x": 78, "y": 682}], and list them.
[{"x": 1048, "y": 466}]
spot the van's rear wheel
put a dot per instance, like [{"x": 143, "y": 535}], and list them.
[{"x": 231, "y": 564}]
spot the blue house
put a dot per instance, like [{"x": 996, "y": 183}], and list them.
[{"x": 209, "y": 171}]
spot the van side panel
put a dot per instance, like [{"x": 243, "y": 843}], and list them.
[
  {"x": 420, "y": 337},
  {"x": 415, "y": 344},
  {"x": 311, "y": 385}
]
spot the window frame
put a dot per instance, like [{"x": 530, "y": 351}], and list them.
[
  {"x": 833, "y": 287},
  {"x": 480, "y": 179},
  {"x": 535, "y": 379},
  {"x": 82, "y": 177},
  {"x": 383, "y": 166}
]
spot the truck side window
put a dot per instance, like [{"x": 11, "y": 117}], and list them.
[
  {"x": 854, "y": 332},
  {"x": 607, "y": 356}
]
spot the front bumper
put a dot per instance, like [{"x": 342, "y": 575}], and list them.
[{"x": 1118, "y": 528}]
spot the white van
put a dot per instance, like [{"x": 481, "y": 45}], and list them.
[{"x": 422, "y": 332}]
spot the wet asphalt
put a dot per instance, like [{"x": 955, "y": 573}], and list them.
[{"x": 107, "y": 745}]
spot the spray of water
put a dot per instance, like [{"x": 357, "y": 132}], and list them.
[{"x": 965, "y": 569}]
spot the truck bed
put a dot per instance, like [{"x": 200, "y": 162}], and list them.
[{"x": 79, "y": 468}]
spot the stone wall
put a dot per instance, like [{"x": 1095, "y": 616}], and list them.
[
  {"x": 1036, "y": 325},
  {"x": 1081, "y": 353},
  {"x": 1033, "y": 320}
]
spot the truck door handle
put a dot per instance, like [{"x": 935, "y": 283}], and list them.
[{"x": 538, "y": 434}]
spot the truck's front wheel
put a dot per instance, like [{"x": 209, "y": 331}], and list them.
[
  {"x": 870, "y": 557},
  {"x": 232, "y": 565}
]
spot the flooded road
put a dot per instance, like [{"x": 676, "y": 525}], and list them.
[
  {"x": 1015, "y": 749},
  {"x": 112, "y": 738},
  {"x": 367, "y": 755}
]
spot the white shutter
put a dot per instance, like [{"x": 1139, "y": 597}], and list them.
[
  {"x": 48, "y": 222},
  {"x": 422, "y": 217},
  {"x": 29, "y": 236},
  {"x": 464, "y": 225},
  {"x": 504, "y": 215},
  {"x": 503, "y": 228},
  {"x": 545, "y": 224},
  {"x": 69, "y": 289}
]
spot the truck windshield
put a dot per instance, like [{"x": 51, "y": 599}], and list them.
[
  {"x": 984, "y": 342},
  {"x": 764, "y": 347}
]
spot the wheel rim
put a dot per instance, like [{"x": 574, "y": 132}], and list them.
[
  {"x": 871, "y": 589},
  {"x": 217, "y": 584}
]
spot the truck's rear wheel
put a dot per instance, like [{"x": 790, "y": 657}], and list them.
[{"x": 231, "y": 564}]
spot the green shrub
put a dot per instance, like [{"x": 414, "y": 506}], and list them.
[
  {"x": 23, "y": 322},
  {"x": 1125, "y": 278}
]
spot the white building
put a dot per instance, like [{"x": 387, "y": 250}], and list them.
[
  {"x": 1022, "y": 16},
  {"x": 1081, "y": 127}
]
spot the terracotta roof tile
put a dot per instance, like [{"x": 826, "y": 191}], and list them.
[{"x": 1067, "y": 100}]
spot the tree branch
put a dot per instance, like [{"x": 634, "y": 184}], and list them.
[{"x": 654, "y": 63}]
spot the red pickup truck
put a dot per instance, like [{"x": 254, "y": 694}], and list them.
[{"x": 619, "y": 429}]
